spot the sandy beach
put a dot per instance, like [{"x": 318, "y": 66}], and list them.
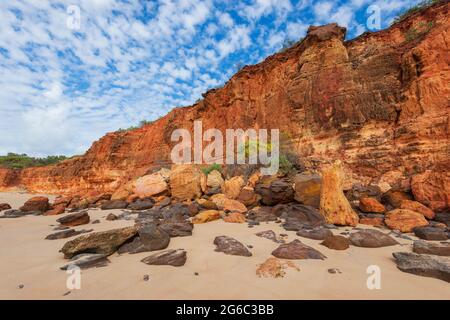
[{"x": 28, "y": 259}]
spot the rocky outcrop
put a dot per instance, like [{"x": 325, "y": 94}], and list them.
[
  {"x": 404, "y": 220},
  {"x": 231, "y": 246},
  {"x": 425, "y": 265},
  {"x": 379, "y": 103}
]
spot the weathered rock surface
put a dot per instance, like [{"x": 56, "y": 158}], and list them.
[
  {"x": 273, "y": 190},
  {"x": 431, "y": 233},
  {"x": 404, "y": 220},
  {"x": 231, "y": 246},
  {"x": 336, "y": 242},
  {"x": 87, "y": 260},
  {"x": 58, "y": 209},
  {"x": 74, "y": 219},
  {"x": 417, "y": 207},
  {"x": 206, "y": 216},
  {"x": 214, "y": 179},
  {"x": 394, "y": 198},
  {"x": 150, "y": 238},
  {"x": 234, "y": 217},
  {"x": 424, "y": 265},
  {"x": 372, "y": 221},
  {"x": 176, "y": 228},
  {"x": 231, "y": 188},
  {"x": 262, "y": 214},
  {"x": 274, "y": 268},
  {"x": 334, "y": 206},
  {"x": 104, "y": 242},
  {"x": 4, "y": 206},
  {"x": 371, "y": 205},
  {"x": 176, "y": 258},
  {"x": 186, "y": 182},
  {"x": 307, "y": 188},
  {"x": 317, "y": 233},
  {"x": 369, "y": 238},
  {"x": 141, "y": 204},
  {"x": 298, "y": 216},
  {"x": 36, "y": 204},
  {"x": 439, "y": 249},
  {"x": 269, "y": 234},
  {"x": 66, "y": 234},
  {"x": 114, "y": 204},
  {"x": 443, "y": 217},
  {"x": 150, "y": 185},
  {"x": 297, "y": 250},
  {"x": 432, "y": 188},
  {"x": 248, "y": 197}
]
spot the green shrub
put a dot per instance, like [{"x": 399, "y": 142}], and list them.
[
  {"x": 415, "y": 32},
  {"x": 422, "y": 5},
  {"x": 20, "y": 161},
  {"x": 212, "y": 167}
]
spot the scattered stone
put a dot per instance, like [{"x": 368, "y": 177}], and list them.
[
  {"x": 61, "y": 228},
  {"x": 371, "y": 205},
  {"x": 417, "y": 207},
  {"x": 316, "y": 233},
  {"x": 176, "y": 258},
  {"x": 74, "y": 219},
  {"x": 177, "y": 228},
  {"x": 334, "y": 206},
  {"x": 66, "y": 234},
  {"x": 231, "y": 188},
  {"x": 274, "y": 268},
  {"x": 274, "y": 190},
  {"x": 298, "y": 216},
  {"x": 231, "y": 246},
  {"x": 206, "y": 216},
  {"x": 425, "y": 265},
  {"x": 334, "y": 270},
  {"x": 261, "y": 214},
  {"x": 59, "y": 209},
  {"x": 230, "y": 205},
  {"x": 20, "y": 286},
  {"x": 336, "y": 242},
  {"x": 186, "y": 182},
  {"x": 439, "y": 249},
  {"x": 114, "y": 204},
  {"x": 297, "y": 250},
  {"x": 146, "y": 277},
  {"x": 269, "y": 234},
  {"x": 369, "y": 238},
  {"x": 150, "y": 238},
  {"x": 307, "y": 188},
  {"x": 404, "y": 220},
  {"x": 234, "y": 217},
  {"x": 4, "y": 206},
  {"x": 17, "y": 213},
  {"x": 67, "y": 293},
  {"x": 196, "y": 273},
  {"x": 36, "y": 204},
  {"x": 111, "y": 217},
  {"x": 141, "y": 204},
  {"x": 104, "y": 242},
  {"x": 95, "y": 221},
  {"x": 87, "y": 260},
  {"x": 149, "y": 185},
  {"x": 430, "y": 233},
  {"x": 394, "y": 198}
]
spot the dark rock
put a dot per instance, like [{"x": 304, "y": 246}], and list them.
[
  {"x": 17, "y": 213},
  {"x": 231, "y": 246},
  {"x": 171, "y": 257},
  {"x": 66, "y": 234},
  {"x": 297, "y": 250},
  {"x": 36, "y": 204},
  {"x": 360, "y": 191},
  {"x": 439, "y": 249},
  {"x": 177, "y": 228},
  {"x": 4, "y": 206},
  {"x": 307, "y": 188},
  {"x": 165, "y": 202},
  {"x": 74, "y": 219},
  {"x": 394, "y": 198},
  {"x": 141, "y": 204},
  {"x": 60, "y": 228},
  {"x": 425, "y": 265},
  {"x": 261, "y": 214},
  {"x": 87, "y": 260},
  {"x": 273, "y": 190},
  {"x": 146, "y": 277},
  {"x": 369, "y": 238},
  {"x": 104, "y": 242},
  {"x": 269, "y": 234},
  {"x": 111, "y": 217},
  {"x": 334, "y": 271},
  {"x": 95, "y": 221},
  {"x": 316, "y": 233},
  {"x": 336, "y": 242},
  {"x": 430, "y": 233},
  {"x": 298, "y": 216},
  {"x": 150, "y": 238},
  {"x": 443, "y": 217},
  {"x": 114, "y": 204}
]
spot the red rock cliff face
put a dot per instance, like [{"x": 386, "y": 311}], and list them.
[{"x": 380, "y": 103}]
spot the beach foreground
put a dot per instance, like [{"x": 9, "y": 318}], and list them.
[{"x": 30, "y": 267}]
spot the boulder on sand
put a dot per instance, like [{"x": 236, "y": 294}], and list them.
[
  {"x": 334, "y": 206},
  {"x": 186, "y": 182},
  {"x": 307, "y": 188},
  {"x": 104, "y": 242},
  {"x": 425, "y": 265},
  {"x": 298, "y": 216},
  {"x": 439, "y": 249},
  {"x": 56, "y": 210},
  {"x": 430, "y": 233},
  {"x": 274, "y": 190},
  {"x": 87, "y": 260},
  {"x": 369, "y": 238},
  {"x": 336, "y": 242},
  {"x": 4, "y": 206},
  {"x": 274, "y": 268},
  {"x": 150, "y": 185},
  {"x": 404, "y": 220},
  {"x": 114, "y": 204},
  {"x": 176, "y": 258},
  {"x": 316, "y": 233},
  {"x": 150, "y": 238},
  {"x": 234, "y": 217},
  {"x": 35, "y": 204},
  {"x": 231, "y": 246},
  {"x": 74, "y": 219},
  {"x": 66, "y": 234},
  {"x": 297, "y": 250}
]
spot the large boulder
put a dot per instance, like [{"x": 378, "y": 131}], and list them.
[
  {"x": 431, "y": 233},
  {"x": 231, "y": 246},
  {"x": 316, "y": 233},
  {"x": 74, "y": 219},
  {"x": 55, "y": 210},
  {"x": 262, "y": 214},
  {"x": 248, "y": 197},
  {"x": 307, "y": 188},
  {"x": 425, "y": 265},
  {"x": 114, "y": 204},
  {"x": 334, "y": 206},
  {"x": 297, "y": 250},
  {"x": 206, "y": 216},
  {"x": 36, "y": 204},
  {"x": 230, "y": 205},
  {"x": 150, "y": 238},
  {"x": 186, "y": 182},
  {"x": 404, "y": 220},
  {"x": 231, "y": 188},
  {"x": 369, "y": 238},
  {"x": 104, "y": 242},
  {"x": 274, "y": 190},
  {"x": 336, "y": 242},
  {"x": 371, "y": 205},
  {"x": 394, "y": 198},
  {"x": 432, "y": 188},
  {"x": 439, "y": 249},
  {"x": 150, "y": 185},
  {"x": 176, "y": 228},
  {"x": 298, "y": 216},
  {"x": 176, "y": 258},
  {"x": 417, "y": 207},
  {"x": 214, "y": 180}
]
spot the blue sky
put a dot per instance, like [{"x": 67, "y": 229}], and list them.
[{"x": 64, "y": 87}]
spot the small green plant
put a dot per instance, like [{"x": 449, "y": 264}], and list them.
[
  {"x": 415, "y": 32},
  {"x": 211, "y": 168},
  {"x": 422, "y": 5},
  {"x": 285, "y": 166}
]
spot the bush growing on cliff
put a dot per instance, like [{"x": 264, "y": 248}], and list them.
[
  {"x": 20, "y": 161},
  {"x": 422, "y": 5},
  {"x": 212, "y": 167}
]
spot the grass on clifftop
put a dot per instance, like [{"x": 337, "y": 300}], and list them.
[
  {"x": 21, "y": 161},
  {"x": 420, "y": 6}
]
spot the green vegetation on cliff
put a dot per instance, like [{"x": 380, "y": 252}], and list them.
[{"x": 20, "y": 161}]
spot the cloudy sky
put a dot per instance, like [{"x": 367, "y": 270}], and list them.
[{"x": 73, "y": 70}]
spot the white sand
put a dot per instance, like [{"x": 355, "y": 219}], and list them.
[{"x": 27, "y": 258}]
